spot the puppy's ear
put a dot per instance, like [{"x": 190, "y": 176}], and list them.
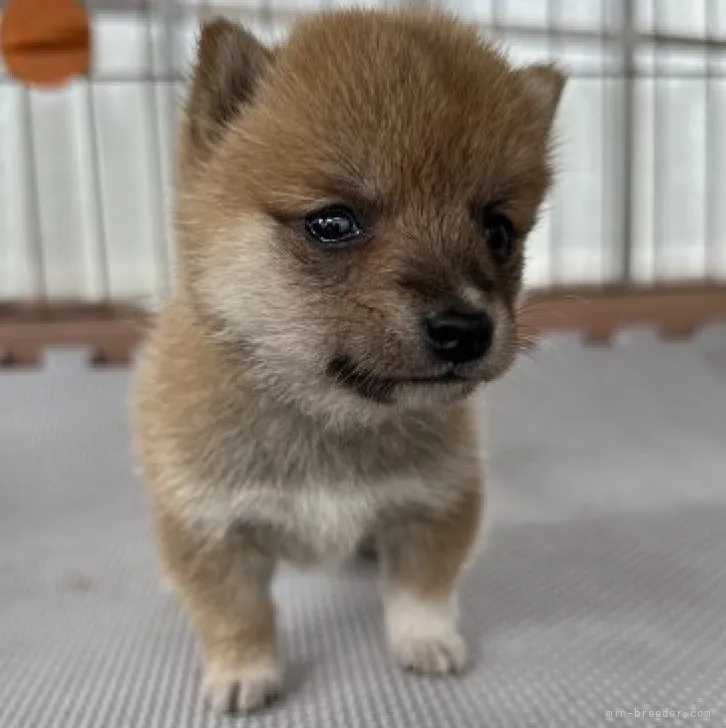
[
  {"x": 544, "y": 83},
  {"x": 230, "y": 63}
]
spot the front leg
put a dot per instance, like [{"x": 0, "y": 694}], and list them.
[
  {"x": 423, "y": 556},
  {"x": 224, "y": 583}
]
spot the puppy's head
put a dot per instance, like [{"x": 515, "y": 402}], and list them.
[{"x": 355, "y": 203}]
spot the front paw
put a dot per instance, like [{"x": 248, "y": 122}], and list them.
[
  {"x": 242, "y": 689},
  {"x": 435, "y": 654},
  {"x": 423, "y": 634}
]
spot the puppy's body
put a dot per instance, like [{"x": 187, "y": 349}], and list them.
[
  {"x": 303, "y": 393},
  {"x": 216, "y": 460}
]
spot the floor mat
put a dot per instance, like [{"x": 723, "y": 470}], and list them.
[{"x": 600, "y": 599}]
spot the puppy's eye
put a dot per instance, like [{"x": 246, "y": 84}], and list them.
[
  {"x": 333, "y": 226},
  {"x": 501, "y": 237}
]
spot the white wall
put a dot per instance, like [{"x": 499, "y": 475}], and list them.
[{"x": 85, "y": 171}]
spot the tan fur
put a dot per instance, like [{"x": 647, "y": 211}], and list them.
[{"x": 253, "y": 449}]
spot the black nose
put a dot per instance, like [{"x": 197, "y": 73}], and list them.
[{"x": 458, "y": 336}]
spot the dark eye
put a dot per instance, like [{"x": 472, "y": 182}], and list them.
[
  {"x": 501, "y": 238},
  {"x": 333, "y": 225}
]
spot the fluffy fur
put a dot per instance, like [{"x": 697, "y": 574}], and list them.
[{"x": 277, "y": 415}]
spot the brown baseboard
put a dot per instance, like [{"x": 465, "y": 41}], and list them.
[
  {"x": 676, "y": 311},
  {"x": 110, "y": 333},
  {"x": 113, "y": 333}
]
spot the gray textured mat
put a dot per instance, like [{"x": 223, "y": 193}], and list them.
[{"x": 603, "y": 588}]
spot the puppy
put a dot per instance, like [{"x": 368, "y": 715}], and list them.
[{"x": 352, "y": 212}]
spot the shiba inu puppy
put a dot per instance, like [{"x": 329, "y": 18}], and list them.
[{"x": 352, "y": 215}]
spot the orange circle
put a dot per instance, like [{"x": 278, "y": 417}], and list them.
[{"x": 46, "y": 42}]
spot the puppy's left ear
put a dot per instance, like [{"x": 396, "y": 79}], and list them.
[{"x": 545, "y": 84}]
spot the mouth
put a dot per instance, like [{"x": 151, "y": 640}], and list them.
[{"x": 380, "y": 388}]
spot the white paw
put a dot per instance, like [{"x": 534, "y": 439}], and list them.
[
  {"x": 244, "y": 689},
  {"x": 423, "y": 634},
  {"x": 441, "y": 654}
]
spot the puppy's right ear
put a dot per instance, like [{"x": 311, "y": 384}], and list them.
[{"x": 230, "y": 64}]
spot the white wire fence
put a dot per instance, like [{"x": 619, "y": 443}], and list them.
[{"x": 86, "y": 171}]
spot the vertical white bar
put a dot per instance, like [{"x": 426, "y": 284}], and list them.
[
  {"x": 101, "y": 273},
  {"x": 16, "y": 282},
  {"x": 157, "y": 216},
  {"x": 555, "y": 230},
  {"x": 35, "y": 247},
  {"x": 629, "y": 42},
  {"x": 709, "y": 147}
]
